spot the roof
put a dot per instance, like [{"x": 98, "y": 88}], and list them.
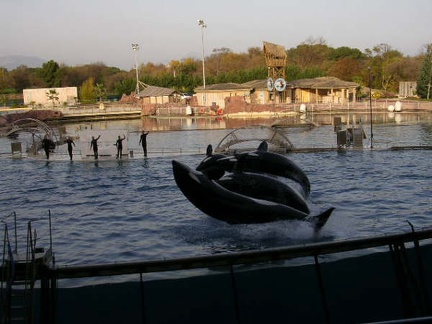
[
  {"x": 223, "y": 87},
  {"x": 275, "y": 50},
  {"x": 153, "y": 91},
  {"x": 256, "y": 84},
  {"x": 316, "y": 83},
  {"x": 323, "y": 83}
]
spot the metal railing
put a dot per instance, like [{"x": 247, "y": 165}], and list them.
[
  {"x": 412, "y": 284},
  {"x": 240, "y": 258}
]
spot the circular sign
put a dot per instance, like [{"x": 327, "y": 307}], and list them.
[
  {"x": 270, "y": 84},
  {"x": 280, "y": 84}
]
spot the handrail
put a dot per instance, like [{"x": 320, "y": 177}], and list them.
[{"x": 248, "y": 257}]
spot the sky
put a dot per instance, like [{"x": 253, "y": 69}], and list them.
[{"x": 82, "y": 32}]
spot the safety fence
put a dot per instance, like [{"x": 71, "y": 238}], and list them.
[{"x": 408, "y": 263}]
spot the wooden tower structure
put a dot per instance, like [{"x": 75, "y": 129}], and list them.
[{"x": 276, "y": 60}]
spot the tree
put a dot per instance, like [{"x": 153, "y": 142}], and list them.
[
  {"x": 53, "y": 96},
  {"x": 346, "y": 68},
  {"x": 50, "y": 74},
  {"x": 213, "y": 62},
  {"x": 424, "y": 82},
  {"x": 87, "y": 91},
  {"x": 4, "y": 79},
  {"x": 173, "y": 67},
  {"x": 3, "y": 100},
  {"x": 20, "y": 78},
  {"x": 345, "y": 52},
  {"x": 383, "y": 65},
  {"x": 310, "y": 54},
  {"x": 100, "y": 91},
  {"x": 125, "y": 86}
]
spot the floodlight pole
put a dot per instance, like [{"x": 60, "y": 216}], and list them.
[
  {"x": 430, "y": 75},
  {"x": 370, "y": 105},
  {"x": 202, "y": 24},
  {"x": 135, "y": 48}
]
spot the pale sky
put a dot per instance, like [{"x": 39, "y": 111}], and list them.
[{"x": 77, "y": 32}]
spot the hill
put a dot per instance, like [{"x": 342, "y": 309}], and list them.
[{"x": 11, "y": 62}]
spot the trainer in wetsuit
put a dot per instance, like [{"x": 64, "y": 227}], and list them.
[
  {"x": 69, "y": 143},
  {"x": 46, "y": 145},
  {"x": 94, "y": 144},
  {"x": 143, "y": 142},
  {"x": 119, "y": 145}
]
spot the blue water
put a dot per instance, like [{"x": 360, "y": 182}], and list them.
[{"x": 132, "y": 210}]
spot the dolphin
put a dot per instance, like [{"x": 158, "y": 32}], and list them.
[
  {"x": 258, "y": 161},
  {"x": 263, "y": 186},
  {"x": 210, "y": 167},
  {"x": 215, "y": 200}
]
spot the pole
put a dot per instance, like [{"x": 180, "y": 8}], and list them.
[
  {"x": 370, "y": 105},
  {"x": 135, "y": 48},
  {"x": 430, "y": 77},
  {"x": 202, "y": 24},
  {"x": 429, "y": 52}
]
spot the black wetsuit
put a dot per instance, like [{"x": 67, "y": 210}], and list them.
[
  {"x": 143, "y": 141},
  {"x": 46, "y": 144},
  {"x": 94, "y": 144},
  {"x": 69, "y": 143},
  {"x": 119, "y": 145}
]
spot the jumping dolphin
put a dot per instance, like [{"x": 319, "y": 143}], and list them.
[
  {"x": 271, "y": 163},
  {"x": 232, "y": 207},
  {"x": 209, "y": 166},
  {"x": 258, "y": 161},
  {"x": 262, "y": 186}
]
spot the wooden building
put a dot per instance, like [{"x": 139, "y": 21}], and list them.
[
  {"x": 158, "y": 95},
  {"x": 322, "y": 90},
  {"x": 318, "y": 90},
  {"x": 215, "y": 94}
]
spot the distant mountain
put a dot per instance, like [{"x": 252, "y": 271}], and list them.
[{"x": 11, "y": 62}]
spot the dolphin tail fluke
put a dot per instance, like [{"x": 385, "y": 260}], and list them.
[{"x": 320, "y": 220}]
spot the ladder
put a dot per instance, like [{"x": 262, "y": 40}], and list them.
[{"x": 19, "y": 273}]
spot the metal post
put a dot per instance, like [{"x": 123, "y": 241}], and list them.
[
  {"x": 202, "y": 24},
  {"x": 430, "y": 77},
  {"x": 235, "y": 293},
  {"x": 370, "y": 104},
  {"x": 135, "y": 48},
  {"x": 322, "y": 290}
]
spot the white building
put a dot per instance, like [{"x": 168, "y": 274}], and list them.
[{"x": 66, "y": 96}]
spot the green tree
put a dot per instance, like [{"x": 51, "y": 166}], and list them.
[
  {"x": 4, "y": 79},
  {"x": 50, "y": 74},
  {"x": 383, "y": 65},
  {"x": 87, "y": 91},
  {"x": 3, "y": 100},
  {"x": 20, "y": 78},
  {"x": 100, "y": 91},
  {"x": 345, "y": 52},
  {"x": 52, "y": 96},
  {"x": 310, "y": 54},
  {"x": 424, "y": 82},
  {"x": 125, "y": 86}
]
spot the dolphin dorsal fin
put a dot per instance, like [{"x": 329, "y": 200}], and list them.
[
  {"x": 209, "y": 150},
  {"x": 263, "y": 146}
]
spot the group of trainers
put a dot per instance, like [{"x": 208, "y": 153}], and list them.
[{"x": 47, "y": 144}]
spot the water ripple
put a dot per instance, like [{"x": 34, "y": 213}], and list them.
[{"x": 133, "y": 210}]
